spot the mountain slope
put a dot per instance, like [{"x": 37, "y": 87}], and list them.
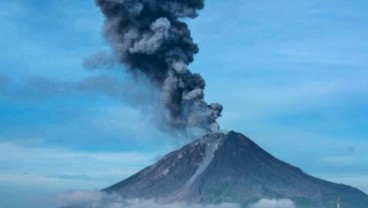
[{"x": 231, "y": 168}]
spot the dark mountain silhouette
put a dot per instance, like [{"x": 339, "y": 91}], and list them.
[{"x": 231, "y": 168}]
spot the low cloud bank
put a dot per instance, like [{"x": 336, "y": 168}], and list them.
[
  {"x": 97, "y": 199},
  {"x": 274, "y": 203}
]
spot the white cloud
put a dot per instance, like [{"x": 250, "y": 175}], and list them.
[
  {"x": 96, "y": 199},
  {"x": 274, "y": 203}
]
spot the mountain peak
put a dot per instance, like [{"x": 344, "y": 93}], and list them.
[{"x": 230, "y": 167}]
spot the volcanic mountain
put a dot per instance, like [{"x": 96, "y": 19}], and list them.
[{"x": 230, "y": 167}]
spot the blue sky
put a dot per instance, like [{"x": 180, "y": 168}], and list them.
[{"x": 292, "y": 75}]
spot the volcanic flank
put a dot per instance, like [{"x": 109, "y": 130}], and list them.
[{"x": 230, "y": 167}]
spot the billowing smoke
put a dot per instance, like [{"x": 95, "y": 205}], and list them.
[{"x": 149, "y": 37}]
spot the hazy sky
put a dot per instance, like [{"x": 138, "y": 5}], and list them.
[{"x": 292, "y": 76}]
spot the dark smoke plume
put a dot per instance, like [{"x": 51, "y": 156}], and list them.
[{"x": 149, "y": 37}]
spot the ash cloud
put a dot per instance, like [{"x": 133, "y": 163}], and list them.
[
  {"x": 37, "y": 88},
  {"x": 149, "y": 37},
  {"x": 32, "y": 88},
  {"x": 116, "y": 88},
  {"x": 100, "y": 59}
]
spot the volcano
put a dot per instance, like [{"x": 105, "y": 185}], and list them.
[{"x": 229, "y": 167}]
